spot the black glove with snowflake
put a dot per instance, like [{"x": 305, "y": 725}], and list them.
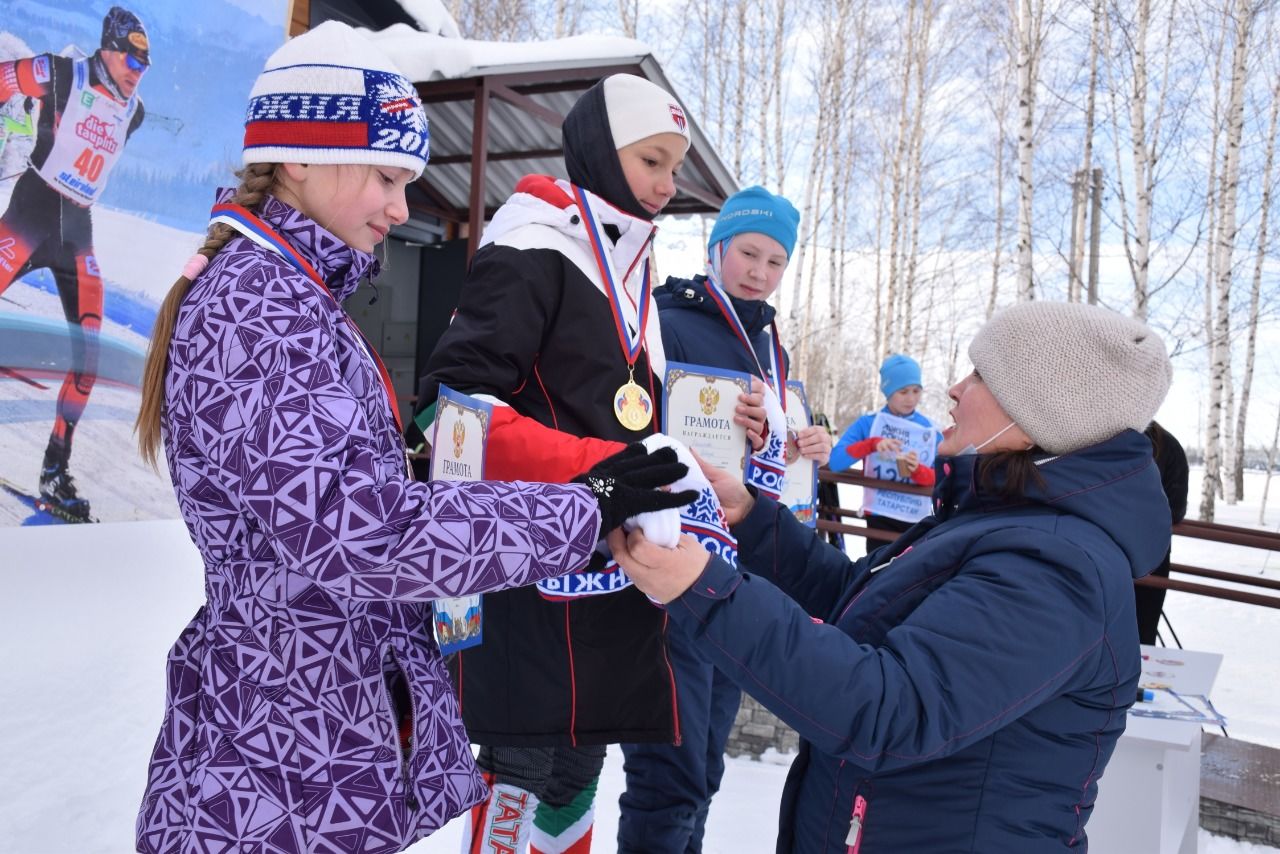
[{"x": 626, "y": 484}]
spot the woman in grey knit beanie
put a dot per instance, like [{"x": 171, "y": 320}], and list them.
[
  {"x": 1068, "y": 375},
  {"x": 962, "y": 688}
]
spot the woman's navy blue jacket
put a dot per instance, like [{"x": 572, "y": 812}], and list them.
[{"x": 963, "y": 687}]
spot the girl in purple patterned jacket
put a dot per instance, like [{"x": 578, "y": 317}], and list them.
[{"x": 282, "y": 731}]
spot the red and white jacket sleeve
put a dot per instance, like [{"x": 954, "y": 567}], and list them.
[
  {"x": 28, "y": 76},
  {"x": 490, "y": 350}
]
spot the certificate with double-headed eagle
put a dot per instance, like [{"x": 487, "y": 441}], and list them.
[
  {"x": 699, "y": 409},
  {"x": 457, "y": 453}
]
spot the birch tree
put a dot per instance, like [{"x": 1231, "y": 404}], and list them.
[
  {"x": 829, "y": 81},
  {"x": 915, "y": 188},
  {"x": 1076, "y": 261},
  {"x": 1215, "y": 40},
  {"x": 999, "y": 94},
  {"x": 1030, "y": 21},
  {"x": 501, "y": 20},
  {"x": 1154, "y": 112},
  {"x": 775, "y": 94},
  {"x": 629, "y": 16},
  {"x": 568, "y": 17},
  {"x": 809, "y": 222},
  {"x": 1271, "y": 464},
  {"x": 1236, "y": 467},
  {"x": 897, "y": 162},
  {"x": 1242, "y": 15}
]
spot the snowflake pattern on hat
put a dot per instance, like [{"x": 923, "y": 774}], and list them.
[{"x": 330, "y": 96}]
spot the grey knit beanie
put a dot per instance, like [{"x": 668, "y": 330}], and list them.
[{"x": 1071, "y": 375}]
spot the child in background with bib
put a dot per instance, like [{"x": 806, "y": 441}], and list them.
[{"x": 897, "y": 443}]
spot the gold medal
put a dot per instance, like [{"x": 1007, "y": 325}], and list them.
[
  {"x": 793, "y": 447},
  {"x": 632, "y": 405}
]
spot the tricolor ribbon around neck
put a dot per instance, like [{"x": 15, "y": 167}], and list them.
[
  {"x": 718, "y": 296},
  {"x": 254, "y": 228},
  {"x": 631, "y": 344}
]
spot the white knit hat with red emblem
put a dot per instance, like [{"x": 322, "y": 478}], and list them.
[
  {"x": 331, "y": 96},
  {"x": 639, "y": 108}
]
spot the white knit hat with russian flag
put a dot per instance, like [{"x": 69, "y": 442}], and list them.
[{"x": 331, "y": 96}]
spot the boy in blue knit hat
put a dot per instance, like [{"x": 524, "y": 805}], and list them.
[
  {"x": 897, "y": 443},
  {"x": 721, "y": 320}
]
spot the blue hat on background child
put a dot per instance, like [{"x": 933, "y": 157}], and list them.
[
  {"x": 898, "y": 371},
  {"x": 304, "y": 108},
  {"x": 757, "y": 211}
]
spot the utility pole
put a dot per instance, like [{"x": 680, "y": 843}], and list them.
[
  {"x": 1074, "y": 284},
  {"x": 1095, "y": 235}
]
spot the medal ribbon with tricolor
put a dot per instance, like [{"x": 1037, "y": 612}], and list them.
[
  {"x": 631, "y": 345},
  {"x": 721, "y": 299},
  {"x": 244, "y": 221}
]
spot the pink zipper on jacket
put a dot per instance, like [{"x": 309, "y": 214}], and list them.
[{"x": 856, "y": 821}]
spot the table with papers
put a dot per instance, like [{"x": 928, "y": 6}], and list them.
[{"x": 1149, "y": 796}]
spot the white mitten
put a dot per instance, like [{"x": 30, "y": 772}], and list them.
[{"x": 663, "y": 526}]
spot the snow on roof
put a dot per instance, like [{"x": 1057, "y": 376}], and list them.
[
  {"x": 425, "y": 56},
  {"x": 434, "y": 51},
  {"x": 431, "y": 17}
]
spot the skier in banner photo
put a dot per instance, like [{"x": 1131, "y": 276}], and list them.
[{"x": 88, "y": 110}]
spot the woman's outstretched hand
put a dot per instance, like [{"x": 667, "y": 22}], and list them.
[{"x": 662, "y": 574}]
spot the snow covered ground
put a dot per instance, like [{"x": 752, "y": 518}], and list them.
[
  {"x": 89, "y": 612},
  {"x": 743, "y": 818},
  {"x": 1246, "y": 690}
]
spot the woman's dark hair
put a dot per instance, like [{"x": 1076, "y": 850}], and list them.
[{"x": 1009, "y": 474}]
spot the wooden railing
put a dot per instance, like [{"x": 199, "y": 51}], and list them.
[{"x": 1228, "y": 534}]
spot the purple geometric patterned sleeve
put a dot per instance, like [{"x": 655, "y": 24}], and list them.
[{"x": 292, "y": 441}]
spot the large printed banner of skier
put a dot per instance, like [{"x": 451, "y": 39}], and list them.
[{"x": 102, "y": 197}]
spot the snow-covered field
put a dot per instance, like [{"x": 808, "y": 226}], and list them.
[
  {"x": 89, "y": 612},
  {"x": 1246, "y": 691}
]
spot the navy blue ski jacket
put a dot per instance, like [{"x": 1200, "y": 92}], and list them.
[
  {"x": 962, "y": 688},
  {"x": 695, "y": 332}
]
